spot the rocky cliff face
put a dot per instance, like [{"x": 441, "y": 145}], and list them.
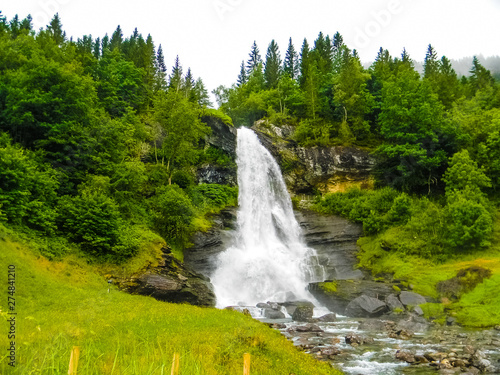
[
  {"x": 223, "y": 138},
  {"x": 202, "y": 256},
  {"x": 326, "y": 169},
  {"x": 305, "y": 169}
]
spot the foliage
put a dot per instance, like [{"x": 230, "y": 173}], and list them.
[
  {"x": 212, "y": 112},
  {"x": 173, "y": 212},
  {"x": 213, "y": 196},
  {"x": 27, "y": 188},
  {"x": 93, "y": 221}
]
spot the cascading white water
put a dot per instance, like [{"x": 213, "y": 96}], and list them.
[{"x": 268, "y": 261}]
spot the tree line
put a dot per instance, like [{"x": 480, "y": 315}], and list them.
[{"x": 99, "y": 143}]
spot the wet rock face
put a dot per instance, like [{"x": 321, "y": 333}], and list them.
[
  {"x": 334, "y": 239},
  {"x": 202, "y": 256},
  {"x": 223, "y": 136},
  {"x": 172, "y": 281},
  {"x": 214, "y": 174},
  {"x": 308, "y": 168}
]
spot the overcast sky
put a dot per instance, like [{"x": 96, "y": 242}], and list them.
[{"x": 214, "y": 36}]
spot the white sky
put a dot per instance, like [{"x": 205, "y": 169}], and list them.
[{"x": 214, "y": 36}]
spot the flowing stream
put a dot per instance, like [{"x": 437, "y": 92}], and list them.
[{"x": 268, "y": 261}]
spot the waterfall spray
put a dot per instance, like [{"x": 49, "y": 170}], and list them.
[{"x": 268, "y": 261}]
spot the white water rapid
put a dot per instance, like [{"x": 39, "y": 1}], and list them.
[{"x": 268, "y": 261}]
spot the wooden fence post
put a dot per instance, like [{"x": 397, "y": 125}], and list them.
[
  {"x": 246, "y": 364},
  {"x": 175, "y": 364},
  {"x": 73, "y": 360}
]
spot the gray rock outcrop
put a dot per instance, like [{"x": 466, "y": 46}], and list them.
[
  {"x": 411, "y": 299},
  {"x": 308, "y": 168},
  {"x": 171, "y": 281},
  {"x": 365, "y": 306}
]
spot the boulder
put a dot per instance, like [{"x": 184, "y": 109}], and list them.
[
  {"x": 331, "y": 317},
  {"x": 223, "y": 136},
  {"x": 171, "y": 281},
  {"x": 405, "y": 355},
  {"x": 216, "y": 174},
  {"x": 303, "y": 313},
  {"x": 310, "y": 327},
  {"x": 411, "y": 299},
  {"x": 347, "y": 291},
  {"x": 291, "y": 306},
  {"x": 418, "y": 310},
  {"x": 273, "y": 314},
  {"x": 365, "y": 306},
  {"x": 393, "y": 303}
]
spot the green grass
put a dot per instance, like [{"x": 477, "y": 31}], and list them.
[
  {"x": 478, "y": 308},
  {"x": 65, "y": 303}
]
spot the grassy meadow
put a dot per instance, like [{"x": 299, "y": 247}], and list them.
[{"x": 61, "y": 304}]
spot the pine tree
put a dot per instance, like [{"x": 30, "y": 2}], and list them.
[
  {"x": 97, "y": 48},
  {"x": 291, "y": 64},
  {"x": 322, "y": 54},
  {"x": 201, "y": 94},
  {"x": 304, "y": 62},
  {"x": 272, "y": 69},
  {"x": 26, "y": 24},
  {"x": 448, "y": 85},
  {"x": 254, "y": 60},
  {"x": 431, "y": 63},
  {"x": 480, "y": 76},
  {"x": 188, "y": 84},
  {"x": 105, "y": 44},
  {"x": 55, "y": 30},
  {"x": 161, "y": 77},
  {"x": 116, "y": 39},
  {"x": 14, "y": 27},
  {"x": 148, "y": 63},
  {"x": 337, "y": 48},
  {"x": 242, "y": 77},
  {"x": 175, "y": 79}
]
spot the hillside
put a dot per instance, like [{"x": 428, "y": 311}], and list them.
[{"x": 66, "y": 303}]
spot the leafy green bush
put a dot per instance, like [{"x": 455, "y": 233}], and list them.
[
  {"x": 469, "y": 224},
  {"x": 214, "y": 155},
  {"x": 27, "y": 188},
  {"x": 173, "y": 212},
  {"x": 182, "y": 178},
  {"x": 214, "y": 195},
  {"x": 93, "y": 221},
  {"x": 212, "y": 112}
]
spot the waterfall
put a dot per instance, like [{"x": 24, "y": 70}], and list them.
[{"x": 268, "y": 260}]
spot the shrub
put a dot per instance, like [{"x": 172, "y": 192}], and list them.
[
  {"x": 173, "y": 212},
  {"x": 214, "y": 196},
  {"x": 182, "y": 178},
  {"x": 93, "y": 221},
  {"x": 27, "y": 188}
]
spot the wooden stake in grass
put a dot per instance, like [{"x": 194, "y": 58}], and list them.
[
  {"x": 246, "y": 364},
  {"x": 175, "y": 364},
  {"x": 73, "y": 360}
]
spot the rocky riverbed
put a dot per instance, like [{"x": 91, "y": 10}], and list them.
[{"x": 390, "y": 345}]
